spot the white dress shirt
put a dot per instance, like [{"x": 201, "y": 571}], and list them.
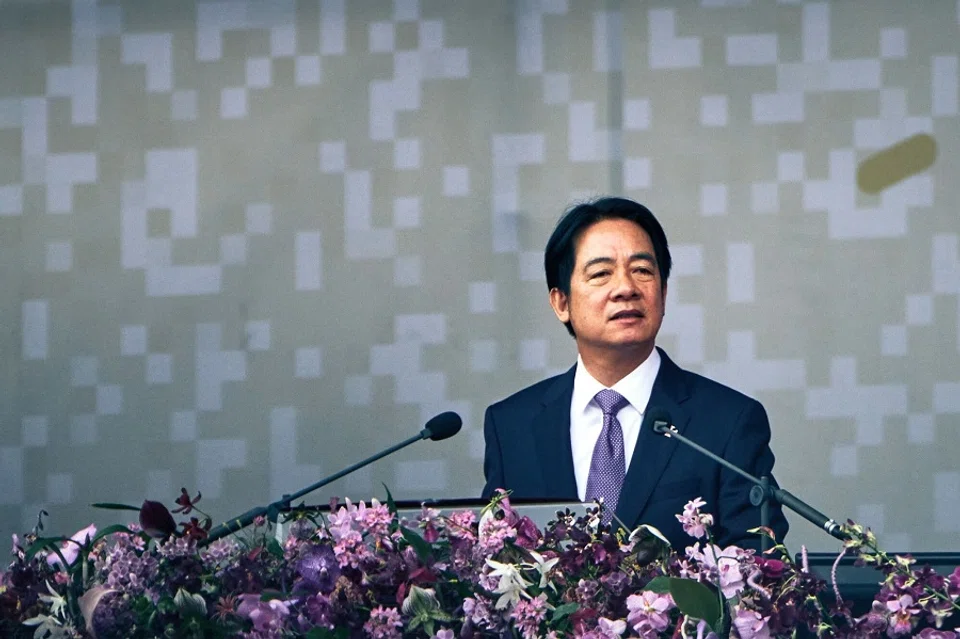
[{"x": 586, "y": 418}]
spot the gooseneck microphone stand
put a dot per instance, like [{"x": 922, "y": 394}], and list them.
[
  {"x": 440, "y": 427},
  {"x": 763, "y": 490}
]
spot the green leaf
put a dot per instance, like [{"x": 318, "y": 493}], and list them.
[
  {"x": 190, "y": 605},
  {"x": 419, "y": 544},
  {"x": 342, "y": 632},
  {"x": 694, "y": 599},
  {"x": 391, "y": 504},
  {"x": 44, "y": 543},
  {"x": 110, "y": 506},
  {"x": 560, "y": 612},
  {"x": 659, "y": 585},
  {"x": 274, "y": 548}
]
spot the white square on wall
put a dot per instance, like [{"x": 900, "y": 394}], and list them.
[
  {"x": 133, "y": 340},
  {"x": 259, "y": 218},
  {"x": 309, "y": 363},
  {"x": 382, "y": 37},
  {"x": 637, "y": 173},
  {"x": 713, "y": 110},
  {"x": 333, "y": 157},
  {"x": 893, "y": 43},
  {"x": 406, "y": 154},
  {"x": 636, "y": 115},
  {"x": 406, "y": 212},
  {"x": 713, "y": 199},
  {"x": 233, "y": 103},
  {"x": 456, "y": 181},
  {"x": 483, "y": 297}
]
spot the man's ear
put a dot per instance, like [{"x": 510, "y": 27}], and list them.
[{"x": 560, "y": 305}]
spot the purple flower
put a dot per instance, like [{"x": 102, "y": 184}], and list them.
[
  {"x": 953, "y": 583},
  {"x": 750, "y": 624},
  {"x": 319, "y": 611},
  {"x": 384, "y": 623},
  {"x": 931, "y": 633},
  {"x": 648, "y": 612},
  {"x": 70, "y": 549},
  {"x": 527, "y": 615},
  {"x": 528, "y": 535},
  {"x": 723, "y": 564},
  {"x": 609, "y": 628},
  {"x": 902, "y": 611},
  {"x": 318, "y": 569},
  {"x": 156, "y": 520},
  {"x": 694, "y": 523},
  {"x": 267, "y": 616},
  {"x": 771, "y": 568}
]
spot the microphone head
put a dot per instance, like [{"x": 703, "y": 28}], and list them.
[
  {"x": 442, "y": 426},
  {"x": 659, "y": 419}
]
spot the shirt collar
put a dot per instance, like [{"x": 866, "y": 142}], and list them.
[{"x": 636, "y": 386}]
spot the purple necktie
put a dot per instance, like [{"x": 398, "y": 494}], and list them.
[{"x": 607, "y": 467}]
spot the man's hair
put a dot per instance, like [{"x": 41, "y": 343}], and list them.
[{"x": 561, "y": 253}]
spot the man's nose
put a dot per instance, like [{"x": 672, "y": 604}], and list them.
[{"x": 624, "y": 286}]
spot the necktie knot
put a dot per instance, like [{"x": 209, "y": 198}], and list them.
[{"x": 610, "y": 401}]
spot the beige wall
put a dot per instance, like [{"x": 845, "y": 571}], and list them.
[{"x": 245, "y": 244}]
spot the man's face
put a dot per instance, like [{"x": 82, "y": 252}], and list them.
[{"x": 616, "y": 298}]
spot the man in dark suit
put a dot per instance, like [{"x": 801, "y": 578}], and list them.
[{"x": 578, "y": 435}]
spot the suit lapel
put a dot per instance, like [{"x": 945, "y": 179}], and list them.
[
  {"x": 653, "y": 452},
  {"x": 551, "y": 430}
]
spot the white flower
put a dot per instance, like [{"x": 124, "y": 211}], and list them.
[
  {"x": 511, "y": 586},
  {"x": 541, "y": 566}
]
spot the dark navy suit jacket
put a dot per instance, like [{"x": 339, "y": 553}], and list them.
[{"x": 528, "y": 452}]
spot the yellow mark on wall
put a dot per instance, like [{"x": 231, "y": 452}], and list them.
[{"x": 898, "y": 162}]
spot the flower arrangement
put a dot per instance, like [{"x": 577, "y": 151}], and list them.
[{"x": 364, "y": 571}]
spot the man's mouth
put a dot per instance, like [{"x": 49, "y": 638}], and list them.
[{"x": 628, "y": 314}]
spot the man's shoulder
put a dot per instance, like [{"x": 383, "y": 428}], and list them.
[
  {"x": 703, "y": 387},
  {"x": 535, "y": 394}
]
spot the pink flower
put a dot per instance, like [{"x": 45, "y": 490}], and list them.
[
  {"x": 751, "y": 625},
  {"x": 648, "y": 612},
  {"x": 384, "y": 623},
  {"x": 70, "y": 549},
  {"x": 694, "y": 523},
  {"x": 610, "y": 629},
  {"x": 902, "y": 610},
  {"x": 528, "y": 614},
  {"x": 350, "y": 549},
  {"x": 723, "y": 564},
  {"x": 267, "y": 616}
]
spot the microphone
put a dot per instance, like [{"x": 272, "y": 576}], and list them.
[
  {"x": 442, "y": 426},
  {"x": 762, "y": 490}
]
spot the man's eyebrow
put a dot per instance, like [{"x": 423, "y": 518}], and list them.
[{"x": 609, "y": 260}]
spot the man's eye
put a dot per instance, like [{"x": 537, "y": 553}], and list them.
[{"x": 598, "y": 274}]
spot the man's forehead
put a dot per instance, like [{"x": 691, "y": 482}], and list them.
[{"x": 589, "y": 248}]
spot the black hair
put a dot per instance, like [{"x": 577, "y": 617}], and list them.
[{"x": 560, "y": 255}]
